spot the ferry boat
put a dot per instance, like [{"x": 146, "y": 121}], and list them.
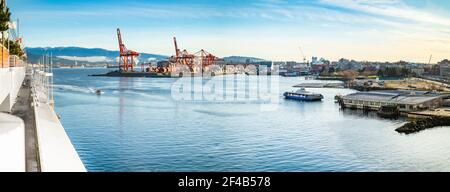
[
  {"x": 303, "y": 95},
  {"x": 290, "y": 74}
]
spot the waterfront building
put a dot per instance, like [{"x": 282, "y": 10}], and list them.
[
  {"x": 418, "y": 71},
  {"x": 314, "y": 60},
  {"x": 444, "y": 67},
  {"x": 345, "y": 64},
  {"x": 407, "y": 101},
  {"x": 318, "y": 68},
  {"x": 292, "y": 68}
]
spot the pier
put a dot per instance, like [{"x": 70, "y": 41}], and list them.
[
  {"x": 406, "y": 101},
  {"x": 321, "y": 85}
]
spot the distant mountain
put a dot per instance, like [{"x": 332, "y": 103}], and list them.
[
  {"x": 97, "y": 56},
  {"x": 68, "y": 55},
  {"x": 242, "y": 59}
]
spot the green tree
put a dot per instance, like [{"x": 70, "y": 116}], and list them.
[
  {"x": 5, "y": 16},
  {"x": 380, "y": 73},
  {"x": 15, "y": 49},
  {"x": 404, "y": 72}
]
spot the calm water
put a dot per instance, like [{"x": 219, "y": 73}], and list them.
[{"x": 136, "y": 125}]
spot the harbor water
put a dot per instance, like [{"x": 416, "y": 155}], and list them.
[{"x": 137, "y": 125}]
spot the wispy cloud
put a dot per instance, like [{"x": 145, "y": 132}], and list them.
[
  {"x": 397, "y": 27},
  {"x": 390, "y": 8},
  {"x": 269, "y": 10}
]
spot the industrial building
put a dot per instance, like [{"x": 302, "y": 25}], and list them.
[
  {"x": 444, "y": 67},
  {"x": 407, "y": 101}
]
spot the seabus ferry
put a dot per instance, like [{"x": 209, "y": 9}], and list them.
[{"x": 303, "y": 95}]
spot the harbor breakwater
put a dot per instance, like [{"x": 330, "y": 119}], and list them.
[{"x": 423, "y": 124}]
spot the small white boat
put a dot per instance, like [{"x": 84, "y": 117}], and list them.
[{"x": 98, "y": 92}]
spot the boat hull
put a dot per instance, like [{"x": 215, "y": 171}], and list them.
[{"x": 303, "y": 97}]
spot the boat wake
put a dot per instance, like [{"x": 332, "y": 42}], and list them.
[
  {"x": 77, "y": 89},
  {"x": 112, "y": 91}
]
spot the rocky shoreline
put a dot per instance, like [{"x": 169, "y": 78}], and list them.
[{"x": 422, "y": 124}]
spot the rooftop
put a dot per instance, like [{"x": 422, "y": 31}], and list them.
[{"x": 395, "y": 96}]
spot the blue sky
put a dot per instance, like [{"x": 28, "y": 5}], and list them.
[{"x": 384, "y": 30}]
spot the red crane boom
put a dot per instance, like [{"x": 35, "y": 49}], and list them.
[
  {"x": 183, "y": 57},
  {"x": 177, "y": 51},
  {"x": 127, "y": 57}
]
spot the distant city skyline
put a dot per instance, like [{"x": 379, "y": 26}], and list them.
[{"x": 374, "y": 30}]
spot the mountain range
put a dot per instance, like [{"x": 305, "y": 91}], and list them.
[
  {"x": 97, "y": 56},
  {"x": 68, "y": 55}
]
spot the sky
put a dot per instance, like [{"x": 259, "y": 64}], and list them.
[{"x": 366, "y": 30}]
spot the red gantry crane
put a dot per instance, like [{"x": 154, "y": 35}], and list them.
[
  {"x": 185, "y": 58},
  {"x": 127, "y": 57},
  {"x": 206, "y": 58}
]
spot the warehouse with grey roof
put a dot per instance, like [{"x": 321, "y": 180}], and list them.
[{"x": 407, "y": 101}]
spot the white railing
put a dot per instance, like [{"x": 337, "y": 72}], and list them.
[
  {"x": 56, "y": 151},
  {"x": 42, "y": 84}
]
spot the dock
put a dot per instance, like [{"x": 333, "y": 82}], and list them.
[
  {"x": 118, "y": 73},
  {"x": 321, "y": 85},
  {"x": 440, "y": 112},
  {"x": 406, "y": 101},
  {"x": 133, "y": 74}
]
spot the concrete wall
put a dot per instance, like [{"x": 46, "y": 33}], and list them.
[
  {"x": 56, "y": 151},
  {"x": 17, "y": 77},
  {"x": 5, "y": 88},
  {"x": 12, "y": 144},
  {"x": 11, "y": 80},
  {"x": 12, "y": 131}
]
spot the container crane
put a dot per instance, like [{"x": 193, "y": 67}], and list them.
[
  {"x": 303, "y": 54},
  {"x": 206, "y": 58},
  {"x": 183, "y": 57},
  {"x": 201, "y": 58},
  {"x": 127, "y": 57}
]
